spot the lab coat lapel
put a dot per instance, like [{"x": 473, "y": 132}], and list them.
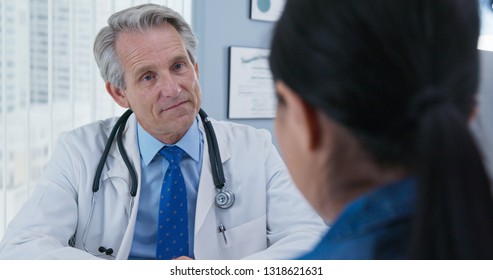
[
  {"x": 207, "y": 191},
  {"x": 116, "y": 165},
  {"x": 119, "y": 169}
]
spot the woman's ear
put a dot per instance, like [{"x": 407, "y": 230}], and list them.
[
  {"x": 118, "y": 95},
  {"x": 313, "y": 124},
  {"x": 304, "y": 117}
]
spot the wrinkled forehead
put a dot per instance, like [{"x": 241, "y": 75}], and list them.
[
  {"x": 150, "y": 40},
  {"x": 164, "y": 35}
]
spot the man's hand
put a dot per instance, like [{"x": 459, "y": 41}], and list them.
[{"x": 183, "y": 258}]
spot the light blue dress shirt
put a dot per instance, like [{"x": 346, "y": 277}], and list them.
[{"x": 154, "y": 167}]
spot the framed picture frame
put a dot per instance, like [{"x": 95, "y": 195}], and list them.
[
  {"x": 266, "y": 10},
  {"x": 251, "y": 88}
]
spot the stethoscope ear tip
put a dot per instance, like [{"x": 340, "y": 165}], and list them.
[{"x": 108, "y": 251}]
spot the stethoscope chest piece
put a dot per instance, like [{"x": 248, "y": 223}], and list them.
[{"x": 225, "y": 198}]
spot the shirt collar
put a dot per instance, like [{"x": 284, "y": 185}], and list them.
[
  {"x": 149, "y": 146},
  {"x": 386, "y": 203}
]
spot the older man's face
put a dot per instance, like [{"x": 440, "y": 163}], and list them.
[{"x": 161, "y": 81}]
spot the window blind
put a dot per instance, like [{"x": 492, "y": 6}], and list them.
[{"x": 49, "y": 83}]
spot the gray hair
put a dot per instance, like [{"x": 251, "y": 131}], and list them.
[{"x": 138, "y": 18}]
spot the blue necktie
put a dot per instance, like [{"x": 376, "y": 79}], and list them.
[{"x": 172, "y": 232}]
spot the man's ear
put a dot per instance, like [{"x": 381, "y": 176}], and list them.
[
  {"x": 118, "y": 95},
  {"x": 306, "y": 120},
  {"x": 197, "y": 69},
  {"x": 474, "y": 113}
]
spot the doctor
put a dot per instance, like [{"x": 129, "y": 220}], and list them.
[{"x": 146, "y": 56}]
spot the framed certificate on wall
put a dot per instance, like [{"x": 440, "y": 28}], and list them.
[
  {"x": 266, "y": 10},
  {"x": 251, "y": 87}
]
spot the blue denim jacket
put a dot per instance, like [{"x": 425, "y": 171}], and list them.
[{"x": 374, "y": 226}]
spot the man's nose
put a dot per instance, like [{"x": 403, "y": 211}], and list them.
[{"x": 169, "y": 86}]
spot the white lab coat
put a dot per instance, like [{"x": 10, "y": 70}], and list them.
[{"x": 269, "y": 220}]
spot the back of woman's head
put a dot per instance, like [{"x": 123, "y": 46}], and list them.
[
  {"x": 402, "y": 77},
  {"x": 367, "y": 62}
]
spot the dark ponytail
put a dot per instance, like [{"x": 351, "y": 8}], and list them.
[{"x": 454, "y": 216}]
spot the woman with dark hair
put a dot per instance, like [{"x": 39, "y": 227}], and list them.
[{"x": 374, "y": 100}]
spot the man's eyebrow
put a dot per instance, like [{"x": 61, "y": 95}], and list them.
[
  {"x": 181, "y": 57},
  {"x": 141, "y": 69},
  {"x": 144, "y": 68}
]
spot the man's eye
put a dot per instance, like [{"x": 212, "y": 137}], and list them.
[
  {"x": 147, "y": 77},
  {"x": 178, "y": 66}
]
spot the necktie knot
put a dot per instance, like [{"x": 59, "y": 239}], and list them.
[{"x": 173, "y": 154}]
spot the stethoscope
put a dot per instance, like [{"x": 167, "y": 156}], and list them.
[{"x": 224, "y": 198}]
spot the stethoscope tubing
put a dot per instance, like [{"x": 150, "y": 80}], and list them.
[
  {"x": 224, "y": 197},
  {"x": 216, "y": 163},
  {"x": 123, "y": 152},
  {"x": 104, "y": 156}
]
